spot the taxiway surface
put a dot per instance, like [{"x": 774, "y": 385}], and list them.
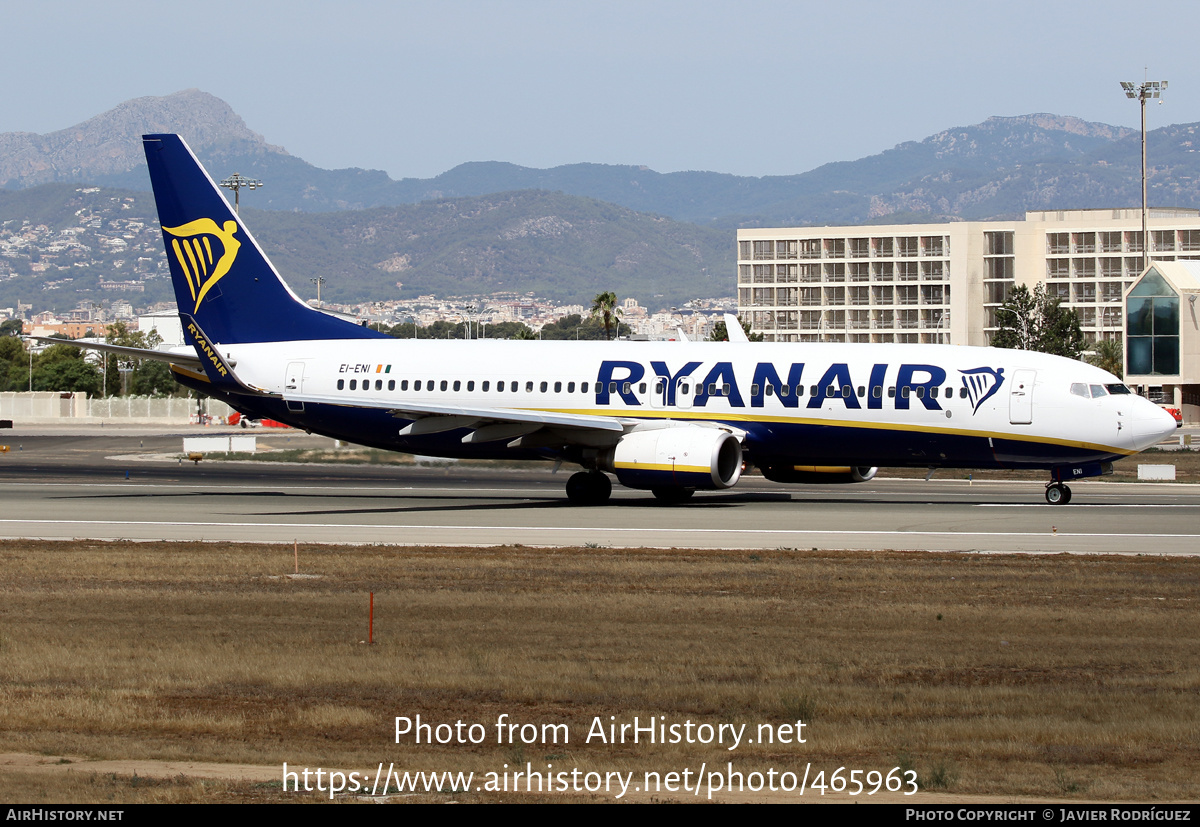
[{"x": 98, "y": 484}]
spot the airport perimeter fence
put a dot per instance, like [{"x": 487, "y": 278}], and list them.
[{"x": 49, "y": 407}]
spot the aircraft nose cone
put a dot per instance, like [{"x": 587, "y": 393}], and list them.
[{"x": 1151, "y": 425}]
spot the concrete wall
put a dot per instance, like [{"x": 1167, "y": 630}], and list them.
[{"x": 50, "y": 407}]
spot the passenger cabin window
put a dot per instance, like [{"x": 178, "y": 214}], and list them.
[
  {"x": 353, "y": 384},
  {"x": 391, "y": 384},
  {"x": 341, "y": 384},
  {"x": 570, "y": 387},
  {"x": 457, "y": 384},
  {"x": 558, "y": 387}
]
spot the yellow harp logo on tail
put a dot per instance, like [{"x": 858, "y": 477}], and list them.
[{"x": 193, "y": 247}]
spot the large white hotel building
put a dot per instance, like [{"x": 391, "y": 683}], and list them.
[{"x": 944, "y": 282}]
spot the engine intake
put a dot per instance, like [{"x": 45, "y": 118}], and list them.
[{"x": 687, "y": 457}]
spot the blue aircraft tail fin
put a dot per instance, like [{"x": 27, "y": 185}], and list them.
[{"x": 222, "y": 278}]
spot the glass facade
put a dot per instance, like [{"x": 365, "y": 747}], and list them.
[{"x": 1152, "y": 327}]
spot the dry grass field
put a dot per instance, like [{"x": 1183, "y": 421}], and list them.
[{"x": 1051, "y": 676}]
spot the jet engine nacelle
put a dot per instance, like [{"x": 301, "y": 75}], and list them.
[
  {"x": 687, "y": 457},
  {"x": 816, "y": 474}
]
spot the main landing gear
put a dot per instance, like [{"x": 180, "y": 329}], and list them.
[
  {"x": 1058, "y": 493},
  {"x": 588, "y": 488}
]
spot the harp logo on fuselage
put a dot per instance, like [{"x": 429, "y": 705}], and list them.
[{"x": 205, "y": 252}]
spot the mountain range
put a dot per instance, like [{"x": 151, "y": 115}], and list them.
[
  {"x": 567, "y": 232},
  {"x": 998, "y": 168}
]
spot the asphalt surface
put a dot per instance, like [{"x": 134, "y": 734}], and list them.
[{"x": 66, "y": 482}]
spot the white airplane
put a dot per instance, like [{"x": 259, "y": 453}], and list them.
[{"x": 670, "y": 417}]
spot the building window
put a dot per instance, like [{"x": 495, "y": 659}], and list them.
[
  {"x": 998, "y": 268},
  {"x": 907, "y": 246},
  {"x": 1058, "y": 268},
  {"x": 764, "y": 250},
  {"x": 999, "y": 244},
  {"x": 1152, "y": 328},
  {"x": 789, "y": 249},
  {"x": 1163, "y": 239}
]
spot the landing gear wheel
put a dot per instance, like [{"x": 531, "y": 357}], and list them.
[
  {"x": 588, "y": 488},
  {"x": 1058, "y": 494},
  {"x": 672, "y": 495}
]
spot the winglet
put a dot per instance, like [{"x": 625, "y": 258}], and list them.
[{"x": 733, "y": 329}]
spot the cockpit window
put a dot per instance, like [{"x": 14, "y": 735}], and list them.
[
  {"x": 1117, "y": 389},
  {"x": 1080, "y": 389},
  {"x": 1098, "y": 391}
]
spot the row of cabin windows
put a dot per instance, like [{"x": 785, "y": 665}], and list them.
[{"x": 684, "y": 388}]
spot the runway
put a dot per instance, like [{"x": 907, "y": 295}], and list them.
[{"x": 98, "y": 485}]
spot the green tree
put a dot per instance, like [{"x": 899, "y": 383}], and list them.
[
  {"x": 62, "y": 368},
  {"x": 575, "y": 326},
  {"x": 721, "y": 334},
  {"x": 147, "y": 377},
  {"x": 1107, "y": 354},
  {"x": 10, "y": 327},
  {"x": 604, "y": 307},
  {"x": 1035, "y": 321},
  {"x": 14, "y": 364}
]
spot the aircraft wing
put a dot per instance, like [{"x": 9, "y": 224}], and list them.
[
  {"x": 456, "y": 416},
  {"x": 187, "y": 358}
]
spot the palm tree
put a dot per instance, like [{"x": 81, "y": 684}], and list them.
[
  {"x": 1107, "y": 354},
  {"x": 604, "y": 306}
]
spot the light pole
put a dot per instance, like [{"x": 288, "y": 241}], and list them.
[
  {"x": 236, "y": 182},
  {"x": 1146, "y": 90},
  {"x": 318, "y": 281}
]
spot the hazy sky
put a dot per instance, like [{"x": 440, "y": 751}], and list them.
[{"x": 751, "y": 88}]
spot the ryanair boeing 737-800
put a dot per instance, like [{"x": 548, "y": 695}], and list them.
[{"x": 669, "y": 417}]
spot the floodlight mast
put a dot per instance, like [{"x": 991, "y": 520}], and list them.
[
  {"x": 1146, "y": 90},
  {"x": 235, "y": 182}
]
